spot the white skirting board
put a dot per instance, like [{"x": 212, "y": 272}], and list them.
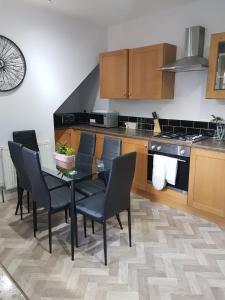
[{"x": 7, "y": 170}]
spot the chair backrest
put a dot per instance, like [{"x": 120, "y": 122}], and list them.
[
  {"x": 27, "y": 138},
  {"x": 111, "y": 148},
  {"x": 87, "y": 143},
  {"x": 117, "y": 196},
  {"x": 85, "y": 151},
  {"x": 15, "y": 151},
  {"x": 40, "y": 192}
]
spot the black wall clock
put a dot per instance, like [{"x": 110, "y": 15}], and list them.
[{"x": 12, "y": 65}]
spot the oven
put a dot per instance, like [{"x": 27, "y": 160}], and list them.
[{"x": 182, "y": 153}]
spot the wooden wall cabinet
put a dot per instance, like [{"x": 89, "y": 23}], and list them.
[
  {"x": 216, "y": 72},
  {"x": 133, "y": 74},
  {"x": 114, "y": 74},
  {"x": 206, "y": 181}
]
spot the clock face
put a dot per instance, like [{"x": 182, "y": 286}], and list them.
[{"x": 12, "y": 65}]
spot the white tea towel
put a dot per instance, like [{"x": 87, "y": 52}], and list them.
[
  {"x": 159, "y": 172},
  {"x": 171, "y": 169}
]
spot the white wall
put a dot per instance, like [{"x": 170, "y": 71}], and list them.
[
  {"x": 169, "y": 26},
  {"x": 60, "y": 52}
]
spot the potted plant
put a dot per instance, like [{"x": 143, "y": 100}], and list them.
[{"x": 64, "y": 153}]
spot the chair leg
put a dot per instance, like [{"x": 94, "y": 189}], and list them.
[
  {"x": 85, "y": 225},
  {"x": 119, "y": 221},
  {"x": 34, "y": 218},
  {"x": 129, "y": 226},
  {"x": 105, "y": 242},
  {"x": 20, "y": 201},
  {"x": 76, "y": 230},
  {"x": 50, "y": 231},
  {"x": 28, "y": 202},
  {"x": 93, "y": 226},
  {"x": 66, "y": 215}
]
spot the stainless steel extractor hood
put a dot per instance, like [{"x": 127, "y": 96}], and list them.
[{"x": 193, "y": 57}]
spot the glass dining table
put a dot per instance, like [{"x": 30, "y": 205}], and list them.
[{"x": 81, "y": 168}]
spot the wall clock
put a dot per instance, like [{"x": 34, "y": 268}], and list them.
[{"x": 12, "y": 65}]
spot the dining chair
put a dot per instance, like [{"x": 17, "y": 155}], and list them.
[
  {"x": 87, "y": 143},
  {"x": 53, "y": 200},
  {"x": 115, "y": 199},
  {"x": 23, "y": 182},
  {"x": 111, "y": 150},
  {"x": 28, "y": 139}
]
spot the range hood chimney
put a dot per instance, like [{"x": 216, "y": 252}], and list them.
[{"x": 193, "y": 56}]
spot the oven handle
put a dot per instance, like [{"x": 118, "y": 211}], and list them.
[{"x": 182, "y": 160}]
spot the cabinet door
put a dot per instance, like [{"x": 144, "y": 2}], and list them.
[
  {"x": 63, "y": 136},
  {"x": 206, "y": 181},
  {"x": 145, "y": 81},
  {"x": 114, "y": 74},
  {"x": 99, "y": 145},
  {"x": 216, "y": 71},
  {"x": 139, "y": 146}
]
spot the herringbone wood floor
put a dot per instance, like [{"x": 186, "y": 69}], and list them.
[{"x": 174, "y": 256}]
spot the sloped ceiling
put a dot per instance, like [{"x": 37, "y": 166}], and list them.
[{"x": 107, "y": 12}]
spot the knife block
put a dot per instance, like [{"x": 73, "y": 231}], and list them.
[{"x": 157, "y": 128}]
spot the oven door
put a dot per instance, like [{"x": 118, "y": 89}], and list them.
[{"x": 182, "y": 171}]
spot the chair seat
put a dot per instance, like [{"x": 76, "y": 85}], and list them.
[
  {"x": 53, "y": 182},
  {"x": 92, "y": 206},
  {"x": 90, "y": 187},
  {"x": 61, "y": 197}
]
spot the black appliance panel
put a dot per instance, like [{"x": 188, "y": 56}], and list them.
[{"x": 182, "y": 170}]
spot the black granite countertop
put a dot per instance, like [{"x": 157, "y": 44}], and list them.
[
  {"x": 207, "y": 144},
  {"x": 117, "y": 131},
  {"x": 210, "y": 144}
]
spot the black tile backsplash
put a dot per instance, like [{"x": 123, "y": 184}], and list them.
[
  {"x": 185, "y": 123},
  {"x": 180, "y": 129},
  {"x": 167, "y": 125},
  {"x": 193, "y": 131},
  {"x": 164, "y": 122},
  {"x": 198, "y": 124},
  {"x": 174, "y": 122},
  {"x": 166, "y": 128},
  {"x": 172, "y": 125}
]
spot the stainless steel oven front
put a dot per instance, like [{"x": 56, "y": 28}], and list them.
[{"x": 182, "y": 153}]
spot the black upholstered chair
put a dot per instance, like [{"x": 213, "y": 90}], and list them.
[
  {"x": 53, "y": 200},
  {"x": 104, "y": 205},
  {"x": 28, "y": 139},
  {"x": 23, "y": 182},
  {"x": 87, "y": 143},
  {"x": 111, "y": 150}
]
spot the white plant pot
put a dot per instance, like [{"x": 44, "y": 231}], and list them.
[{"x": 64, "y": 158}]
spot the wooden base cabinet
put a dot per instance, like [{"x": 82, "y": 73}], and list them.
[
  {"x": 141, "y": 148},
  {"x": 63, "y": 136},
  {"x": 207, "y": 181}
]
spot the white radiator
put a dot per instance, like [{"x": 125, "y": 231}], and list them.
[{"x": 8, "y": 180}]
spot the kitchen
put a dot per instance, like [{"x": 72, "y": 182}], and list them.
[
  {"x": 194, "y": 144},
  {"x": 149, "y": 77}
]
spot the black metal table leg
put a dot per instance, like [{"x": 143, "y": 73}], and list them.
[
  {"x": 72, "y": 229},
  {"x": 73, "y": 216}
]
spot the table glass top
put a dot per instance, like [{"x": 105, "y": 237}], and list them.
[{"x": 82, "y": 166}]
